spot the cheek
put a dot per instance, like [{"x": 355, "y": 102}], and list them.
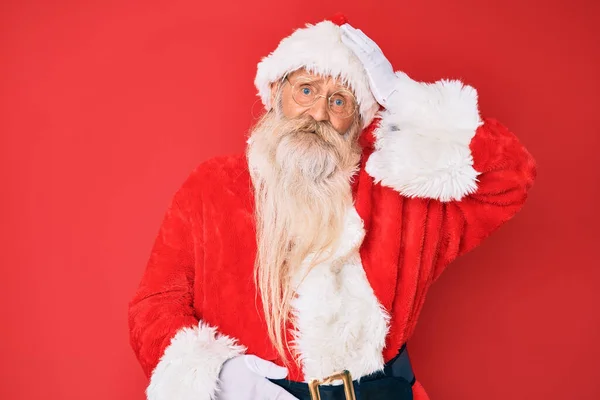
[
  {"x": 289, "y": 107},
  {"x": 342, "y": 125}
]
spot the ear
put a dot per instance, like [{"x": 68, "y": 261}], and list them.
[{"x": 273, "y": 86}]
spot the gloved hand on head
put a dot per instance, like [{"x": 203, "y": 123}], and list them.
[{"x": 382, "y": 79}]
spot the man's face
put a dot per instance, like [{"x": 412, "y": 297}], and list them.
[{"x": 319, "y": 111}]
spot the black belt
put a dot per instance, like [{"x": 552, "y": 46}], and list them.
[{"x": 394, "y": 382}]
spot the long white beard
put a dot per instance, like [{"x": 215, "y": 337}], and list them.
[{"x": 301, "y": 171}]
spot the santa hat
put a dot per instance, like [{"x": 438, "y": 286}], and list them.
[{"x": 319, "y": 49}]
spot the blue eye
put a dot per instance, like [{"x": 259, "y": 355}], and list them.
[
  {"x": 306, "y": 91},
  {"x": 339, "y": 102}
]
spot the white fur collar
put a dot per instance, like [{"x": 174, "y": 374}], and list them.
[{"x": 339, "y": 323}]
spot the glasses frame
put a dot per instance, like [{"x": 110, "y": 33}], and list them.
[{"x": 327, "y": 98}]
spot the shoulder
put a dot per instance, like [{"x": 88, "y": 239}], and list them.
[
  {"x": 222, "y": 169},
  {"x": 223, "y": 173}
]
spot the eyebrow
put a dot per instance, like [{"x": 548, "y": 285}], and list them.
[{"x": 320, "y": 81}]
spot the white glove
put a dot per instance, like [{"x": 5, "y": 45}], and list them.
[
  {"x": 382, "y": 80},
  {"x": 245, "y": 378}
]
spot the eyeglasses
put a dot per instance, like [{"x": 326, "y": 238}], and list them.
[{"x": 340, "y": 103}]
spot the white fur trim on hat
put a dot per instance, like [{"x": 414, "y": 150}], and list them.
[{"x": 319, "y": 49}]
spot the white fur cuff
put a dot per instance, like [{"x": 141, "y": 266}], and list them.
[
  {"x": 422, "y": 143},
  {"x": 189, "y": 368}
]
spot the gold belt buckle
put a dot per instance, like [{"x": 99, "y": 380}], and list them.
[{"x": 313, "y": 385}]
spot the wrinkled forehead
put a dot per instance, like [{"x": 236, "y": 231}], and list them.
[{"x": 327, "y": 81}]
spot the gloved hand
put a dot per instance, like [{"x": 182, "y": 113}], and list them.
[
  {"x": 382, "y": 80},
  {"x": 245, "y": 378}
]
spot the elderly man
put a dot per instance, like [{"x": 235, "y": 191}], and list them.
[{"x": 312, "y": 254}]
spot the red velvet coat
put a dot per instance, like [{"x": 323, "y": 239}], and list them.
[{"x": 424, "y": 199}]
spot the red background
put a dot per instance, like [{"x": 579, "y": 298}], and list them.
[{"x": 106, "y": 107}]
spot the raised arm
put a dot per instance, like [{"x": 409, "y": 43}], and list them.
[{"x": 431, "y": 143}]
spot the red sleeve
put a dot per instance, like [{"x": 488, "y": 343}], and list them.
[
  {"x": 507, "y": 171},
  {"x": 163, "y": 303}
]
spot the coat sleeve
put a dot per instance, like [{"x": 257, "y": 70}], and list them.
[
  {"x": 180, "y": 354},
  {"x": 506, "y": 173},
  {"x": 431, "y": 143}
]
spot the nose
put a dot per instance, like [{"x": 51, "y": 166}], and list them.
[{"x": 319, "y": 110}]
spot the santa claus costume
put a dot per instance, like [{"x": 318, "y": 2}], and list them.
[{"x": 434, "y": 180}]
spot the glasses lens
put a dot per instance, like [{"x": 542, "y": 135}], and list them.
[
  {"x": 304, "y": 93},
  {"x": 342, "y": 104}
]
